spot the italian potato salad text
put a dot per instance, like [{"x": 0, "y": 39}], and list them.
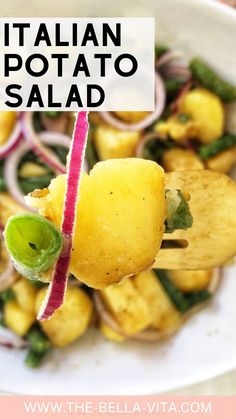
[{"x": 90, "y": 205}]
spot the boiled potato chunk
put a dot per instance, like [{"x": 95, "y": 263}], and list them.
[
  {"x": 120, "y": 219},
  {"x": 25, "y": 294},
  {"x": 176, "y": 130},
  {"x": 127, "y": 306},
  {"x": 70, "y": 321},
  {"x": 224, "y": 161},
  {"x": 188, "y": 281},
  {"x": 110, "y": 333},
  {"x": 164, "y": 314},
  {"x": 131, "y": 116},
  {"x": 206, "y": 109},
  {"x": 29, "y": 169},
  {"x": 17, "y": 319},
  {"x": 177, "y": 159},
  {"x": 112, "y": 144},
  {"x": 8, "y": 207},
  {"x": 7, "y": 122}
]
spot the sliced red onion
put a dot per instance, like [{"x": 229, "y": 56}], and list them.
[
  {"x": 10, "y": 340},
  {"x": 151, "y": 335},
  {"x": 185, "y": 88},
  {"x": 51, "y": 138},
  {"x": 11, "y": 174},
  {"x": 143, "y": 141},
  {"x": 179, "y": 71},
  {"x": 215, "y": 280},
  {"x": 33, "y": 139},
  {"x": 54, "y": 138},
  {"x": 230, "y": 117},
  {"x": 12, "y": 162},
  {"x": 12, "y": 142},
  {"x": 7, "y": 276},
  {"x": 110, "y": 119},
  {"x": 147, "y": 335},
  {"x": 56, "y": 290},
  {"x": 104, "y": 313},
  {"x": 167, "y": 57}
]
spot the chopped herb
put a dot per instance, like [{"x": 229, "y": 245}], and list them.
[
  {"x": 36, "y": 284},
  {"x": 23, "y": 229},
  {"x": 182, "y": 301},
  {"x": 167, "y": 112},
  {"x": 29, "y": 184},
  {"x": 2, "y": 185},
  {"x": 196, "y": 297},
  {"x": 38, "y": 341},
  {"x": 2, "y": 322},
  {"x": 34, "y": 359},
  {"x": 160, "y": 50},
  {"x": 52, "y": 114},
  {"x": 31, "y": 157},
  {"x": 179, "y": 216},
  {"x": 35, "y": 182},
  {"x": 209, "y": 79},
  {"x": 39, "y": 345},
  {"x": 7, "y": 295},
  {"x": 172, "y": 87},
  {"x": 176, "y": 296},
  {"x": 184, "y": 118},
  {"x": 37, "y": 122},
  {"x": 155, "y": 149},
  {"x": 221, "y": 144},
  {"x": 61, "y": 152}
]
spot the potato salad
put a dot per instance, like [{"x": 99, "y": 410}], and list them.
[{"x": 81, "y": 231}]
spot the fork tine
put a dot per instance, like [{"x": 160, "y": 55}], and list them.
[{"x": 212, "y": 238}]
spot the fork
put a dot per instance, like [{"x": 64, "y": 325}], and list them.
[{"x": 211, "y": 241}]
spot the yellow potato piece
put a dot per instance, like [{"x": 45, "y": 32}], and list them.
[
  {"x": 7, "y": 122},
  {"x": 128, "y": 306},
  {"x": 111, "y": 143},
  {"x": 120, "y": 219},
  {"x": 29, "y": 169},
  {"x": 25, "y": 294},
  {"x": 223, "y": 162},
  {"x": 164, "y": 314},
  {"x": 206, "y": 109},
  {"x": 177, "y": 130},
  {"x": 131, "y": 116},
  {"x": 70, "y": 321},
  {"x": 8, "y": 207},
  {"x": 110, "y": 333},
  {"x": 11, "y": 278},
  {"x": 188, "y": 281},
  {"x": 177, "y": 159},
  {"x": 17, "y": 319}
]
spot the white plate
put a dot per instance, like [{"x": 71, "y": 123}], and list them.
[{"x": 205, "y": 346}]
